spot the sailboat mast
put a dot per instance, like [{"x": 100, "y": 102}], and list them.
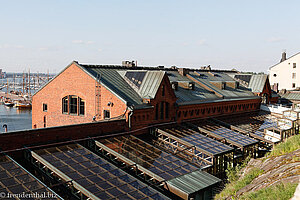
[
  {"x": 29, "y": 82},
  {"x": 38, "y": 80},
  {"x": 23, "y": 82},
  {"x": 14, "y": 83},
  {"x": 33, "y": 83},
  {"x": 7, "y": 88}
]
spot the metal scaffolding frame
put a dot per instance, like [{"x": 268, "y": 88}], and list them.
[
  {"x": 178, "y": 146},
  {"x": 251, "y": 124},
  {"x": 219, "y": 156},
  {"x": 246, "y": 145}
]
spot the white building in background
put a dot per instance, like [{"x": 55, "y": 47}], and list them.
[{"x": 286, "y": 74}]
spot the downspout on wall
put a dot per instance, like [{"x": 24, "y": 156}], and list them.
[{"x": 129, "y": 117}]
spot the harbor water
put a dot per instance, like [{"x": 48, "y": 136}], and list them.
[{"x": 14, "y": 118}]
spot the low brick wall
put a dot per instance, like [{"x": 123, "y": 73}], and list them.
[{"x": 19, "y": 139}]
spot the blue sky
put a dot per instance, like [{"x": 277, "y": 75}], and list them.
[{"x": 246, "y": 35}]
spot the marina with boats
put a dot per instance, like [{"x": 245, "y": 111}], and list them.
[{"x": 16, "y": 89}]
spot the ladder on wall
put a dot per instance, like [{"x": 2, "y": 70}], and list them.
[{"x": 98, "y": 97}]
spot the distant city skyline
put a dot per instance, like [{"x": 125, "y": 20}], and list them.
[{"x": 49, "y": 35}]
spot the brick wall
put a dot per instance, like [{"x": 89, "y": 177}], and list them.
[
  {"x": 216, "y": 109},
  {"x": 15, "y": 140},
  {"x": 72, "y": 81},
  {"x": 144, "y": 117}
]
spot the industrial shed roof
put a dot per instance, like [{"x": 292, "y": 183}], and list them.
[
  {"x": 14, "y": 179},
  {"x": 161, "y": 164},
  {"x": 93, "y": 176},
  {"x": 220, "y": 132},
  {"x": 204, "y": 144}
]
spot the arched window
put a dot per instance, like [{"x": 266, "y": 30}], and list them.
[{"x": 73, "y": 105}]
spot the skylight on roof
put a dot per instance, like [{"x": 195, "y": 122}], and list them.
[{"x": 136, "y": 78}]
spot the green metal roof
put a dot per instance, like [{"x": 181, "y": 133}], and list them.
[
  {"x": 184, "y": 95},
  {"x": 207, "y": 79},
  {"x": 150, "y": 84},
  {"x": 257, "y": 82},
  {"x": 291, "y": 96},
  {"x": 194, "y": 182},
  {"x": 114, "y": 78}
]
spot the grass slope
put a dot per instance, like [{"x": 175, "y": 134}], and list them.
[{"x": 280, "y": 191}]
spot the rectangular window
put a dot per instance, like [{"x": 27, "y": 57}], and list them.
[
  {"x": 45, "y": 107},
  {"x": 156, "y": 112},
  {"x": 167, "y": 110},
  {"x": 294, "y": 85},
  {"x": 81, "y": 106},
  {"x": 65, "y": 106},
  {"x": 106, "y": 114},
  {"x": 293, "y": 75},
  {"x": 162, "y": 110},
  {"x": 163, "y": 90},
  {"x": 73, "y": 104},
  {"x": 294, "y": 65}
]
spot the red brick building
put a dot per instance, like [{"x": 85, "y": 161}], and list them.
[
  {"x": 143, "y": 95},
  {"x": 259, "y": 84}
]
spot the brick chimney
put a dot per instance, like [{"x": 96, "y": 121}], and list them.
[
  {"x": 183, "y": 71},
  {"x": 283, "y": 57}
]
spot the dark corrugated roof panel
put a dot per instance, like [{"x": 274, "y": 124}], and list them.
[{"x": 194, "y": 182}]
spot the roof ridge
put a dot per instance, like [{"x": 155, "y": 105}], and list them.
[
  {"x": 284, "y": 60},
  {"x": 126, "y": 67}
]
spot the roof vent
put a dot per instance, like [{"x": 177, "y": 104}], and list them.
[
  {"x": 219, "y": 84},
  {"x": 237, "y": 85},
  {"x": 183, "y": 71},
  {"x": 223, "y": 85},
  {"x": 188, "y": 85},
  {"x": 192, "y": 86},
  {"x": 174, "y": 85},
  {"x": 213, "y": 74},
  {"x": 127, "y": 63}
]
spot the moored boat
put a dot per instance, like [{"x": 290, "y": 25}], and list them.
[
  {"x": 9, "y": 103},
  {"x": 23, "y": 104}
]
